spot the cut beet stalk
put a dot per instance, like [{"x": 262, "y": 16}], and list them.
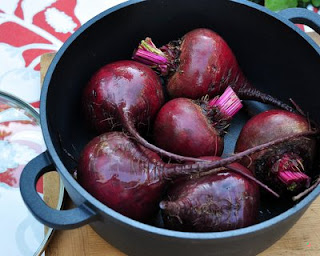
[{"x": 289, "y": 171}]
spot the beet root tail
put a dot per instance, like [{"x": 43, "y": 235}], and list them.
[
  {"x": 307, "y": 191},
  {"x": 254, "y": 180},
  {"x": 254, "y": 94},
  {"x": 131, "y": 129}
]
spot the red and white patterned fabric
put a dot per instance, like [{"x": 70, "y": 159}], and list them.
[{"x": 28, "y": 28}]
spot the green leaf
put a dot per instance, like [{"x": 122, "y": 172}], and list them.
[
  {"x": 277, "y": 5},
  {"x": 316, "y": 3},
  {"x": 304, "y": 3}
]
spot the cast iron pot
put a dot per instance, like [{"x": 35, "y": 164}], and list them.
[{"x": 274, "y": 54}]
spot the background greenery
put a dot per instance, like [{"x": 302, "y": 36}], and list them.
[{"x": 277, "y": 5}]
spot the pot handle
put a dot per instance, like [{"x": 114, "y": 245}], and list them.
[
  {"x": 302, "y": 16},
  {"x": 57, "y": 219}
]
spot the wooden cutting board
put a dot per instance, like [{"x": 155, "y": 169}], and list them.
[{"x": 302, "y": 240}]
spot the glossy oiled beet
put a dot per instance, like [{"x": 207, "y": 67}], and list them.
[
  {"x": 182, "y": 127},
  {"x": 195, "y": 128},
  {"x": 111, "y": 169},
  {"x": 119, "y": 91},
  {"x": 215, "y": 202},
  {"x": 206, "y": 66},
  {"x": 283, "y": 167}
]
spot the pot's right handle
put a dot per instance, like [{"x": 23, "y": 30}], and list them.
[
  {"x": 302, "y": 16},
  {"x": 57, "y": 219}
]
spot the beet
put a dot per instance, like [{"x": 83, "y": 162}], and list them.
[
  {"x": 110, "y": 169},
  {"x": 215, "y": 202},
  {"x": 200, "y": 63},
  {"x": 131, "y": 179},
  {"x": 125, "y": 94},
  {"x": 283, "y": 167},
  {"x": 195, "y": 128}
]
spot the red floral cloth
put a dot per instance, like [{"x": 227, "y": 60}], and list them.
[{"x": 28, "y": 28}]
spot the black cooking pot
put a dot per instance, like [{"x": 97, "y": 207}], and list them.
[{"x": 274, "y": 54}]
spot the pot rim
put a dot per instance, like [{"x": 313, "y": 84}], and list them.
[{"x": 301, "y": 206}]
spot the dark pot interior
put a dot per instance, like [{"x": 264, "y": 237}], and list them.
[{"x": 274, "y": 57}]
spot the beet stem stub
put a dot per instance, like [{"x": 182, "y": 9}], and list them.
[
  {"x": 288, "y": 170},
  {"x": 147, "y": 53},
  {"x": 228, "y": 103},
  {"x": 291, "y": 178}
]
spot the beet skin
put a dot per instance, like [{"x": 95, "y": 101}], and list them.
[
  {"x": 110, "y": 168},
  {"x": 207, "y": 66},
  {"x": 215, "y": 202},
  {"x": 122, "y": 90},
  {"x": 182, "y": 127}
]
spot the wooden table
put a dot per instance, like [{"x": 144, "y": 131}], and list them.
[{"x": 302, "y": 240}]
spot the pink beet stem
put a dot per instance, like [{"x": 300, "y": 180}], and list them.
[
  {"x": 153, "y": 58},
  {"x": 289, "y": 177},
  {"x": 228, "y": 103},
  {"x": 288, "y": 171},
  {"x": 147, "y": 53}
]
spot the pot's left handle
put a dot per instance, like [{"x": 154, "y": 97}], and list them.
[{"x": 57, "y": 219}]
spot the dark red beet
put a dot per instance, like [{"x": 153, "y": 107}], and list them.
[
  {"x": 200, "y": 63},
  {"x": 110, "y": 169},
  {"x": 125, "y": 94},
  {"x": 283, "y": 167},
  {"x": 195, "y": 128},
  {"x": 182, "y": 128},
  {"x": 122, "y": 90},
  {"x": 206, "y": 63},
  {"x": 215, "y": 202},
  {"x": 132, "y": 179}
]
